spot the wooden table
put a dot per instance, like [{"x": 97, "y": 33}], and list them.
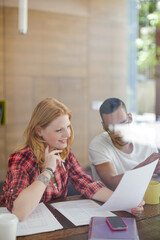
[{"x": 148, "y": 225}]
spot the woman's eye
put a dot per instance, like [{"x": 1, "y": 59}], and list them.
[
  {"x": 58, "y": 130},
  {"x": 61, "y": 129}
]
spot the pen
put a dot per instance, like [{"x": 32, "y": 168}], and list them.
[{"x": 62, "y": 164}]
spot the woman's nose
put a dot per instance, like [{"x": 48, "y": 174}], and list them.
[{"x": 67, "y": 133}]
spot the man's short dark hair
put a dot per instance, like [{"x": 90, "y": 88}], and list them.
[{"x": 110, "y": 105}]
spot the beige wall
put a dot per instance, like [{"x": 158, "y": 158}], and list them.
[
  {"x": 78, "y": 56},
  {"x": 107, "y": 55}
]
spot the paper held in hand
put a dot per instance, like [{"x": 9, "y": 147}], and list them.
[{"x": 131, "y": 189}]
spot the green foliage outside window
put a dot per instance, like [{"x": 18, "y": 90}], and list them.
[{"x": 149, "y": 20}]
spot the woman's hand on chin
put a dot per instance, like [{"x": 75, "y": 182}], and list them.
[{"x": 52, "y": 158}]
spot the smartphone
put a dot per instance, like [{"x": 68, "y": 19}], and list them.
[{"x": 116, "y": 223}]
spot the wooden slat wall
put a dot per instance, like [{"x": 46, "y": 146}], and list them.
[
  {"x": 107, "y": 55},
  {"x": 3, "y": 164},
  {"x": 74, "y": 58},
  {"x": 1, "y": 54}
]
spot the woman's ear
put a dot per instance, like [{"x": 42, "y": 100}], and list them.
[
  {"x": 130, "y": 119},
  {"x": 38, "y": 131}
]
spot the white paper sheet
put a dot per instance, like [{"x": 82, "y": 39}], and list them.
[
  {"x": 41, "y": 220},
  {"x": 79, "y": 212},
  {"x": 131, "y": 189}
]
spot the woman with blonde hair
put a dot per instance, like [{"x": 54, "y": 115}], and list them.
[{"x": 39, "y": 170}]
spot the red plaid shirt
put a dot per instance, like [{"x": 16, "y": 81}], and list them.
[{"x": 23, "y": 170}]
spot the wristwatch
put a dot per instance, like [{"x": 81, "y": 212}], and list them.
[{"x": 50, "y": 170}]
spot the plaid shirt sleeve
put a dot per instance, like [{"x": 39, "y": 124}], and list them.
[
  {"x": 16, "y": 180},
  {"x": 81, "y": 181}
]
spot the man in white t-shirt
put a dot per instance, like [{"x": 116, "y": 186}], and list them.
[{"x": 109, "y": 154}]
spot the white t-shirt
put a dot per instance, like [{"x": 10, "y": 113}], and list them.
[{"x": 101, "y": 150}]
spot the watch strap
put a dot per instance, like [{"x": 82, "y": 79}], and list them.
[{"x": 50, "y": 170}]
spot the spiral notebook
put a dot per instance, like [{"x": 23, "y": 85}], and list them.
[{"x": 99, "y": 230}]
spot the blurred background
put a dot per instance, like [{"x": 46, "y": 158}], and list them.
[{"x": 80, "y": 52}]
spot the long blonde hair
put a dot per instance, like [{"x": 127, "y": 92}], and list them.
[{"x": 44, "y": 113}]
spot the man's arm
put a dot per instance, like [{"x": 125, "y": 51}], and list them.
[
  {"x": 108, "y": 175},
  {"x": 111, "y": 179},
  {"x": 151, "y": 158}
]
